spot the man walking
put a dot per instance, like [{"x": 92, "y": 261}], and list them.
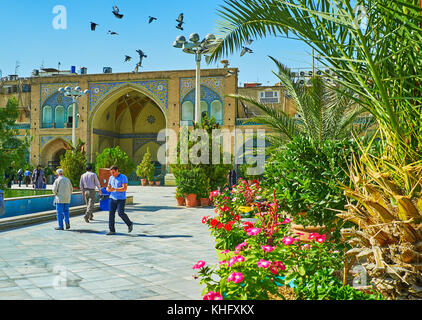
[
  {"x": 117, "y": 186},
  {"x": 89, "y": 181},
  {"x": 27, "y": 175},
  {"x": 38, "y": 178},
  {"x": 62, "y": 188}
]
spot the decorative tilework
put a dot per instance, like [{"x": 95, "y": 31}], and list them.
[
  {"x": 50, "y": 88},
  {"x": 158, "y": 88},
  {"x": 47, "y": 139},
  {"x": 214, "y": 83}
]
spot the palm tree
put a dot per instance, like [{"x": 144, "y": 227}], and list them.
[
  {"x": 324, "y": 112},
  {"x": 379, "y": 62}
]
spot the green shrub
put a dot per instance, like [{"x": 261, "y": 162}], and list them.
[
  {"x": 73, "y": 163},
  {"x": 307, "y": 177},
  {"x": 115, "y": 156},
  {"x": 146, "y": 168}
]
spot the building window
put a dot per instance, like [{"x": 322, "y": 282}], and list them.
[
  {"x": 59, "y": 117},
  {"x": 47, "y": 117},
  {"x": 217, "y": 111},
  {"x": 269, "y": 97},
  {"x": 69, "y": 117},
  {"x": 204, "y": 108},
  {"x": 187, "y": 112}
]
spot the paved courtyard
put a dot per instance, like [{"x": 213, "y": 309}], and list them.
[{"x": 153, "y": 262}]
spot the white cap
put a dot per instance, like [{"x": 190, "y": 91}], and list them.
[{"x": 59, "y": 171}]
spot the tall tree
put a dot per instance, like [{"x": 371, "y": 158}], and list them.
[{"x": 12, "y": 148}]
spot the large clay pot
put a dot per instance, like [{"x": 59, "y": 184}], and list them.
[
  {"x": 144, "y": 182},
  {"x": 157, "y": 183},
  {"x": 104, "y": 175},
  {"x": 151, "y": 183},
  {"x": 191, "y": 200},
  {"x": 205, "y": 202},
  {"x": 180, "y": 201},
  {"x": 304, "y": 232}
]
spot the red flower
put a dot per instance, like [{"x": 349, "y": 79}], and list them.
[
  {"x": 220, "y": 226},
  {"x": 228, "y": 227},
  {"x": 231, "y": 222},
  {"x": 204, "y": 220},
  {"x": 214, "y": 222},
  {"x": 237, "y": 217}
]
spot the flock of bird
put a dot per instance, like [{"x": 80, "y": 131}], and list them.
[{"x": 180, "y": 22}]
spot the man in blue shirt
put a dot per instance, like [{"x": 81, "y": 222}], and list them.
[{"x": 117, "y": 186}]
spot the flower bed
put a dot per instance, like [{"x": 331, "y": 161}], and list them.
[{"x": 259, "y": 257}]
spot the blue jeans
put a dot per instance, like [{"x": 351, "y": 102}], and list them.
[
  {"x": 118, "y": 205},
  {"x": 62, "y": 209}
]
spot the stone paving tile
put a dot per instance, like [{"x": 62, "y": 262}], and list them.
[{"x": 153, "y": 262}]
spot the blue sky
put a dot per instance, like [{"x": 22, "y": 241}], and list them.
[{"x": 28, "y": 36}]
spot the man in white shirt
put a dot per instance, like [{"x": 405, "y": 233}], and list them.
[
  {"x": 89, "y": 181},
  {"x": 62, "y": 189}
]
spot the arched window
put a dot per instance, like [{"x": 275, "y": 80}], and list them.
[
  {"x": 217, "y": 111},
  {"x": 69, "y": 117},
  {"x": 59, "y": 117},
  {"x": 187, "y": 112},
  {"x": 204, "y": 108},
  {"x": 47, "y": 117}
]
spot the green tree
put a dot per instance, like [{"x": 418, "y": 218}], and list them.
[
  {"x": 12, "y": 148},
  {"x": 115, "y": 156},
  {"x": 379, "y": 61},
  {"x": 73, "y": 163}
]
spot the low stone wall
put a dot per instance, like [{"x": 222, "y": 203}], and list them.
[
  {"x": 33, "y": 204},
  {"x": 35, "y": 218}
]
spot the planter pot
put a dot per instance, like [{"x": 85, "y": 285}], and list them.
[
  {"x": 157, "y": 183},
  {"x": 205, "y": 202},
  {"x": 191, "y": 200},
  {"x": 151, "y": 183},
  {"x": 180, "y": 201},
  {"x": 144, "y": 182},
  {"x": 304, "y": 232}
]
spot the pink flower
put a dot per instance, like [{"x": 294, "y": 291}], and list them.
[
  {"x": 276, "y": 267},
  {"x": 214, "y": 194},
  {"x": 235, "y": 259},
  {"x": 239, "y": 247},
  {"x": 253, "y": 231},
  {"x": 285, "y": 221},
  {"x": 318, "y": 237},
  {"x": 222, "y": 262},
  {"x": 267, "y": 248},
  {"x": 236, "y": 277},
  {"x": 263, "y": 263},
  {"x": 289, "y": 240},
  {"x": 199, "y": 264},
  {"x": 213, "y": 296},
  {"x": 225, "y": 251}
]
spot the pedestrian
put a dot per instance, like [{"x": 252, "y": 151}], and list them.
[
  {"x": 117, "y": 186},
  {"x": 27, "y": 175},
  {"x": 62, "y": 189},
  {"x": 89, "y": 181},
  {"x": 10, "y": 176},
  {"x": 20, "y": 177},
  {"x": 38, "y": 178}
]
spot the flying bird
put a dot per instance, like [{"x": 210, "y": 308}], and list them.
[
  {"x": 151, "y": 19},
  {"x": 93, "y": 26},
  {"x": 116, "y": 12},
  {"x": 230, "y": 73},
  {"x": 225, "y": 63},
  {"x": 179, "y": 26},
  {"x": 180, "y": 18},
  {"x": 245, "y": 50},
  {"x": 249, "y": 41},
  {"x": 112, "y": 33},
  {"x": 127, "y": 58},
  {"x": 180, "y": 21},
  {"x": 142, "y": 55}
]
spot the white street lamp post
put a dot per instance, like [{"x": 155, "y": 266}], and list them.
[
  {"x": 197, "y": 48},
  {"x": 74, "y": 93}
]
